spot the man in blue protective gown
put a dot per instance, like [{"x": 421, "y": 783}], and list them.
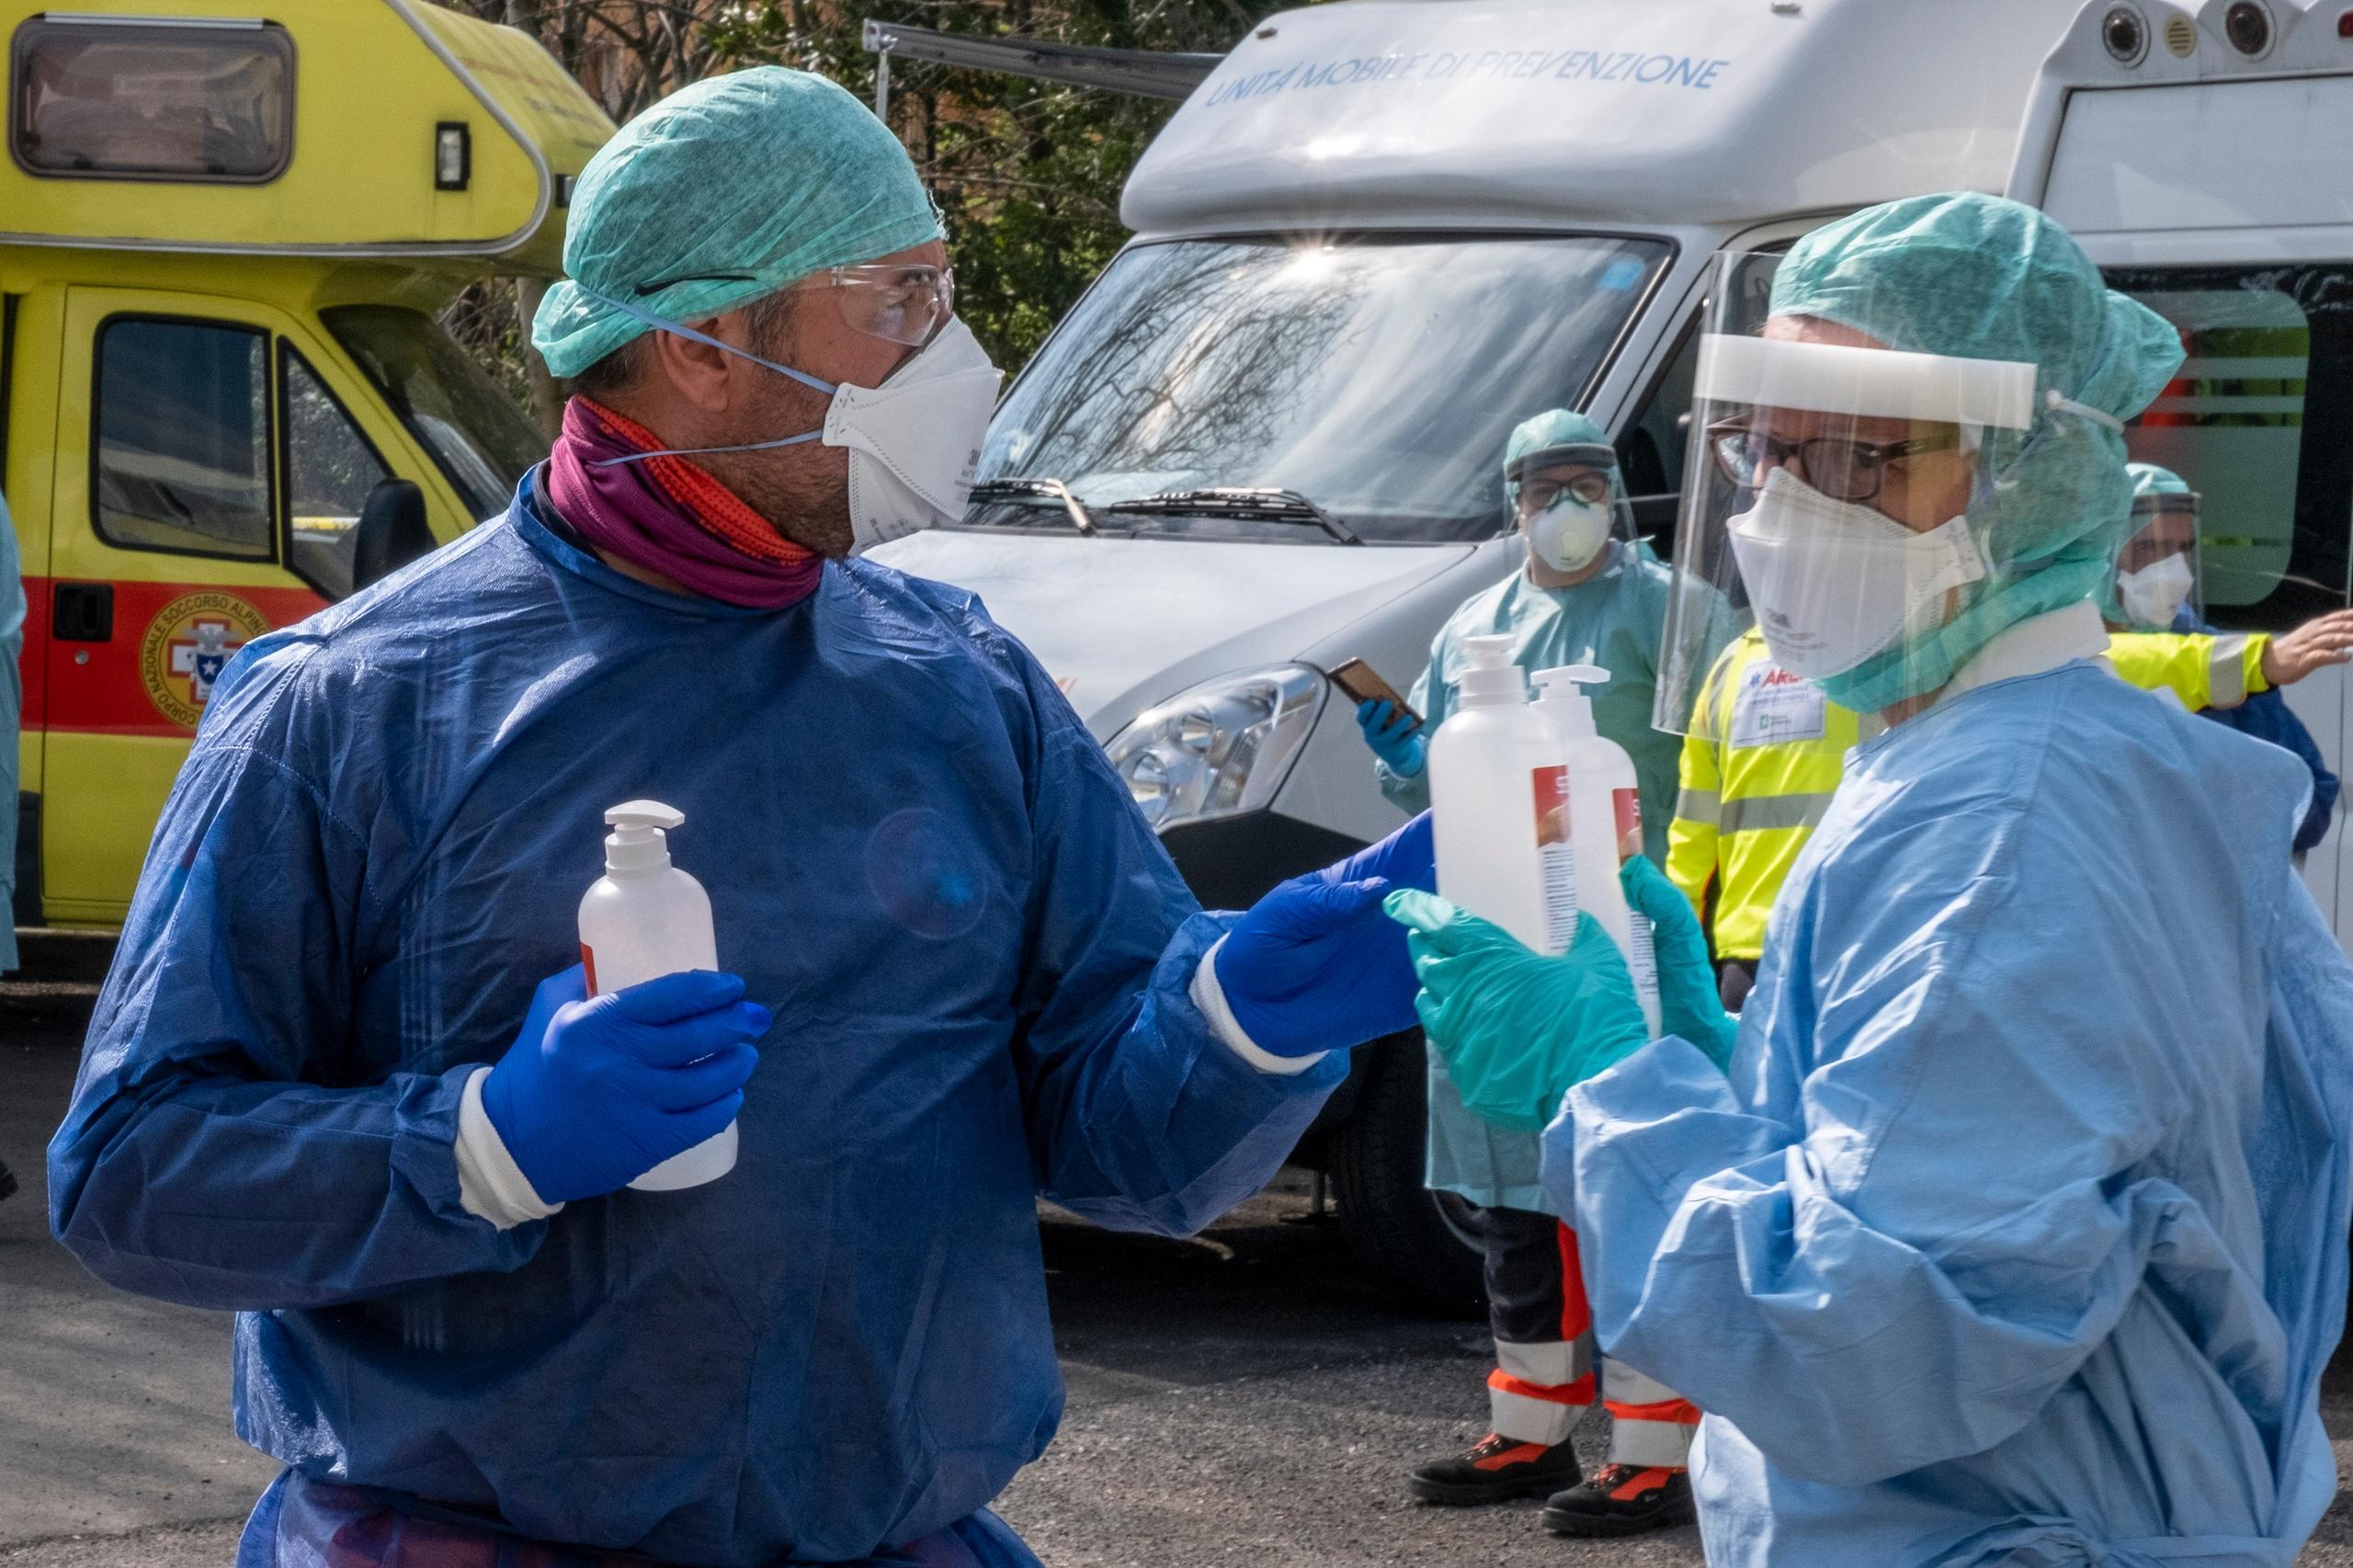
[
  {"x": 342, "y": 1080},
  {"x": 2007, "y": 1225}
]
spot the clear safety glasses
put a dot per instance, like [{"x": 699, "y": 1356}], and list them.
[
  {"x": 1540, "y": 491},
  {"x": 897, "y": 303},
  {"x": 1826, "y": 487}
]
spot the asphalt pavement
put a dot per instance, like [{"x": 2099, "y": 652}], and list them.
[{"x": 1248, "y": 1397}]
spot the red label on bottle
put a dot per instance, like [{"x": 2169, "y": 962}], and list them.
[
  {"x": 1552, "y": 789},
  {"x": 1630, "y": 822},
  {"x": 1556, "y": 859},
  {"x": 589, "y": 962}
]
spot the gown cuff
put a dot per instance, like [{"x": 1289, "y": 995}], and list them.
[
  {"x": 489, "y": 1184},
  {"x": 1210, "y": 997}
]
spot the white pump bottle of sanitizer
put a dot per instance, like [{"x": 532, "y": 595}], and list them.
[
  {"x": 1499, "y": 804},
  {"x": 1606, "y": 819},
  {"x": 645, "y": 919}
]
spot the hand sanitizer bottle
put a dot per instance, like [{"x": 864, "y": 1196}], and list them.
[
  {"x": 645, "y": 919},
  {"x": 1499, "y": 804},
  {"x": 1606, "y": 819}
]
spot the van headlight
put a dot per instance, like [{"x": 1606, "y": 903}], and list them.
[{"x": 1220, "y": 749}]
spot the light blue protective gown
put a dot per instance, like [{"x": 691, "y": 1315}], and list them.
[
  {"x": 977, "y": 954},
  {"x": 2018, "y": 1235}
]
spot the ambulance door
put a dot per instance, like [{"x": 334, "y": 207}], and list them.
[{"x": 207, "y": 481}]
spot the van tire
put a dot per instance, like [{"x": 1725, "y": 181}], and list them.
[{"x": 1420, "y": 1243}]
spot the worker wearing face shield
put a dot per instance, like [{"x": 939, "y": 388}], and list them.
[
  {"x": 1994, "y": 1232},
  {"x": 347, "y": 1077},
  {"x": 2158, "y": 639}
]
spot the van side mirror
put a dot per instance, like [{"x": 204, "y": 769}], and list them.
[{"x": 392, "y": 531}]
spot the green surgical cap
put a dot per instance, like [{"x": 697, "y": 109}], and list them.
[
  {"x": 722, "y": 193},
  {"x": 1981, "y": 277},
  {"x": 2148, "y": 479},
  {"x": 1552, "y": 431}
]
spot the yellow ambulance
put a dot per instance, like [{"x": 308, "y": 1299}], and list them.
[{"x": 224, "y": 399}]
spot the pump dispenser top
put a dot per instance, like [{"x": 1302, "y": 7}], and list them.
[
  {"x": 1490, "y": 680},
  {"x": 640, "y": 842},
  {"x": 1561, "y": 696}
]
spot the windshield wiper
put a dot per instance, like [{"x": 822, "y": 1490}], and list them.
[
  {"x": 1273, "y": 506},
  {"x": 1016, "y": 491}
]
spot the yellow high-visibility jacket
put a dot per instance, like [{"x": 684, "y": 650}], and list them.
[
  {"x": 2204, "y": 669},
  {"x": 1766, "y": 751}
]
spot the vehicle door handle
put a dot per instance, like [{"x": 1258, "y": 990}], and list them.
[{"x": 82, "y": 612}]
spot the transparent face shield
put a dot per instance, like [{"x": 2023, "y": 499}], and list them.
[
  {"x": 2157, "y": 572},
  {"x": 1569, "y": 504},
  {"x": 1825, "y": 493}
]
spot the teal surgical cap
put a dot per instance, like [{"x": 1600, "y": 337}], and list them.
[
  {"x": 722, "y": 193},
  {"x": 1558, "y": 435},
  {"x": 1977, "y": 276},
  {"x": 2148, "y": 479}
]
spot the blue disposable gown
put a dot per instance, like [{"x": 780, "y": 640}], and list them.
[
  {"x": 2017, "y": 1234},
  {"x": 976, "y": 952}
]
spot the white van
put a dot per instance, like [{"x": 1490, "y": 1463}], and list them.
[
  {"x": 2198, "y": 153},
  {"x": 1269, "y": 439}
]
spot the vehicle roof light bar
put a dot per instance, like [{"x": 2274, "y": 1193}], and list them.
[{"x": 1141, "y": 73}]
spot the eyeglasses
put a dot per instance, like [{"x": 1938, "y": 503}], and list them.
[
  {"x": 887, "y": 300},
  {"x": 1841, "y": 468},
  {"x": 897, "y": 301},
  {"x": 1593, "y": 489}
]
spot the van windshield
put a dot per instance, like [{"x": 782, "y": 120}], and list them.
[
  {"x": 477, "y": 436},
  {"x": 1376, "y": 378}
]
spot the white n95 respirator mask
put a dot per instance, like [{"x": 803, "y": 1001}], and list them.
[
  {"x": 1834, "y": 582},
  {"x": 914, "y": 442},
  {"x": 1569, "y": 533},
  {"x": 2156, "y": 594}
]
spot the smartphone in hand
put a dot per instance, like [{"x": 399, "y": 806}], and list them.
[{"x": 1360, "y": 681}]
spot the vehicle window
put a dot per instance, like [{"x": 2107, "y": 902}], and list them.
[
  {"x": 1650, "y": 454},
  {"x": 476, "y": 435},
  {"x": 152, "y": 100},
  {"x": 183, "y": 459},
  {"x": 1377, "y": 378},
  {"x": 2266, "y": 347},
  {"x": 330, "y": 469}
]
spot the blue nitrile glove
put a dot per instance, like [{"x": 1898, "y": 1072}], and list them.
[
  {"x": 1688, "y": 1002},
  {"x": 1516, "y": 1028},
  {"x": 596, "y": 1092},
  {"x": 1310, "y": 967},
  {"x": 1394, "y": 736},
  {"x": 1407, "y": 859}
]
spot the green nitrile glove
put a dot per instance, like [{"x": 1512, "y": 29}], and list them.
[{"x": 1514, "y": 1027}]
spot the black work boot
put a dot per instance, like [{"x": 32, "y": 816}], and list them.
[
  {"x": 8, "y": 1182},
  {"x": 1497, "y": 1469},
  {"x": 1623, "y": 1499}
]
